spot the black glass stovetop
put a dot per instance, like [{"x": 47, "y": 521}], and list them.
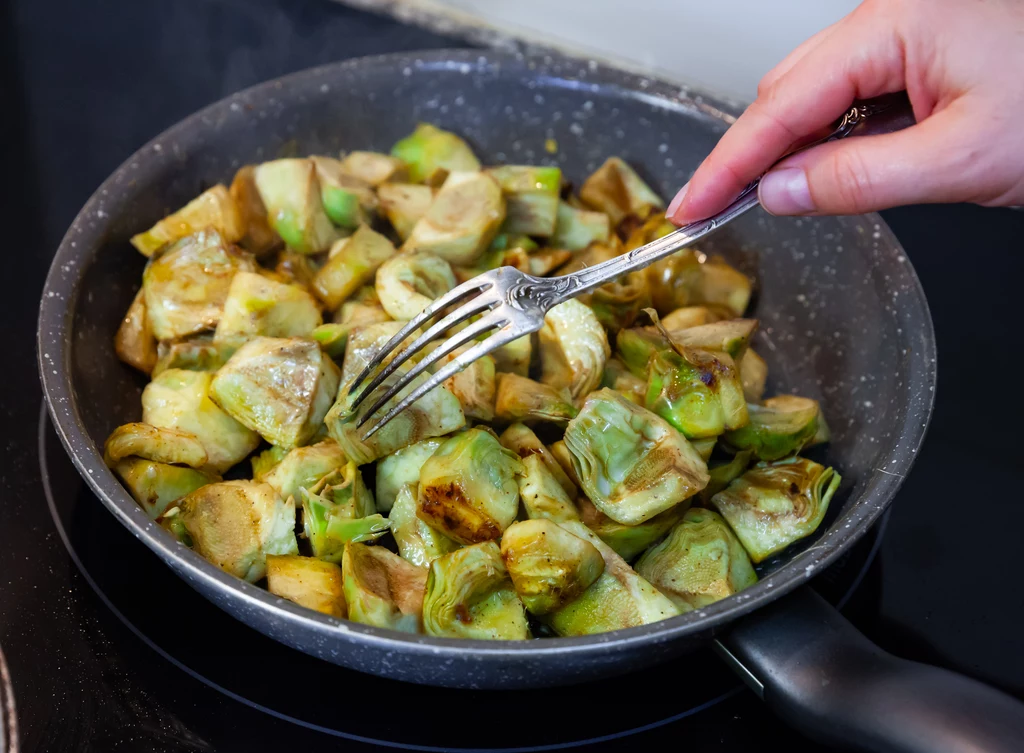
[{"x": 109, "y": 651}]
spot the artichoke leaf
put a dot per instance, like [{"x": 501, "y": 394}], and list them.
[
  {"x": 162, "y": 445},
  {"x": 195, "y": 354},
  {"x": 699, "y": 392}
]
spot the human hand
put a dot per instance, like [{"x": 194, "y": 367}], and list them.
[{"x": 960, "y": 62}]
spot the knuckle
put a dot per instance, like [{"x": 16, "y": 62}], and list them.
[{"x": 851, "y": 181}]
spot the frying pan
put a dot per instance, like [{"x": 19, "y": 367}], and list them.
[{"x": 844, "y": 320}]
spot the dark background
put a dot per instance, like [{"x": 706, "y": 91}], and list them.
[{"x": 84, "y": 84}]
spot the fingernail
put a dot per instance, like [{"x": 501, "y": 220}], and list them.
[
  {"x": 786, "y": 191},
  {"x": 674, "y": 205}
]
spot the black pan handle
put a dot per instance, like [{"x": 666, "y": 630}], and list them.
[{"x": 819, "y": 673}]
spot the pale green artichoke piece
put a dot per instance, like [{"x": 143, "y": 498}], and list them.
[
  {"x": 775, "y": 504},
  {"x": 700, "y": 562},
  {"x": 291, "y": 193},
  {"x": 521, "y": 440},
  {"x": 531, "y": 197},
  {"x": 467, "y": 488},
  {"x": 134, "y": 342},
  {"x": 636, "y": 346},
  {"x": 549, "y": 566},
  {"x": 303, "y": 468},
  {"x": 417, "y": 542},
  {"x": 462, "y": 220},
  {"x": 631, "y": 463},
  {"x": 782, "y": 426},
  {"x": 470, "y": 595},
  {"x": 723, "y": 285},
  {"x": 475, "y": 386},
  {"x": 522, "y": 399},
  {"x": 351, "y": 265},
  {"x": 259, "y": 237},
  {"x": 754, "y": 375},
  {"x": 617, "y": 377},
  {"x": 154, "y": 443},
  {"x": 573, "y": 349},
  {"x": 731, "y": 336},
  {"x": 514, "y": 358},
  {"x": 180, "y": 399},
  {"x": 236, "y": 524},
  {"x": 616, "y": 189},
  {"x": 214, "y": 209},
  {"x": 198, "y": 353},
  {"x": 279, "y": 387},
  {"x": 373, "y": 168},
  {"x": 428, "y": 150},
  {"x": 618, "y": 599},
  {"x": 382, "y": 589},
  {"x": 724, "y": 474},
  {"x": 332, "y": 338},
  {"x": 348, "y": 201},
  {"x": 258, "y": 306},
  {"x": 629, "y": 541},
  {"x": 402, "y": 468},
  {"x": 308, "y": 581},
  {"x": 185, "y": 287},
  {"x": 685, "y": 317},
  {"x": 542, "y": 496},
  {"x": 697, "y": 392},
  {"x": 409, "y": 282},
  {"x": 339, "y": 511},
  {"x": 575, "y": 229},
  {"x": 156, "y": 486},
  {"x": 404, "y": 204}
]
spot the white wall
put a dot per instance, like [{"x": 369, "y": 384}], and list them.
[{"x": 721, "y": 45}]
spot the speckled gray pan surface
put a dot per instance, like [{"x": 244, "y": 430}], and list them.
[{"x": 843, "y": 316}]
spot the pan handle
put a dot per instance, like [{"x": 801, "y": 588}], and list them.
[{"x": 820, "y": 674}]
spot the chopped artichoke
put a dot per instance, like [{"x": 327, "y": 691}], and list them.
[
  {"x": 295, "y": 269},
  {"x": 199, "y": 353},
  {"x": 531, "y": 196},
  {"x": 631, "y": 463},
  {"x": 691, "y": 316},
  {"x": 181, "y": 400},
  {"x": 775, "y": 504},
  {"x": 545, "y": 261},
  {"x": 364, "y": 342},
  {"x": 723, "y": 285},
  {"x": 618, "y": 191},
  {"x": 618, "y": 304},
  {"x": 515, "y": 357},
  {"x": 698, "y": 393},
  {"x": 264, "y": 462},
  {"x": 522, "y": 399},
  {"x": 780, "y": 427},
  {"x": 153, "y": 443},
  {"x": 560, "y": 452},
  {"x": 617, "y": 377},
  {"x": 521, "y": 440},
  {"x": 470, "y": 595},
  {"x": 134, "y": 342},
  {"x": 618, "y": 599},
  {"x": 236, "y": 524},
  {"x": 214, "y": 209},
  {"x": 435, "y": 414},
  {"x": 542, "y": 496},
  {"x": 508, "y": 241},
  {"x": 475, "y": 386},
  {"x": 404, "y": 204},
  {"x": 573, "y": 349},
  {"x": 417, "y": 542},
  {"x": 674, "y": 281},
  {"x": 308, "y": 581},
  {"x": 332, "y": 338},
  {"x": 259, "y": 237},
  {"x": 724, "y": 474},
  {"x": 258, "y": 306},
  {"x": 729, "y": 336},
  {"x": 754, "y": 375},
  {"x": 303, "y": 468},
  {"x": 575, "y": 229},
  {"x": 429, "y": 150},
  {"x": 636, "y": 346},
  {"x": 467, "y": 488},
  {"x": 279, "y": 387},
  {"x": 186, "y": 286},
  {"x": 592, "y": 255},
  {"x": 409, "y": 282},
  {"x": 463, "y": 219},
  {"x": 549, "y": 566},
  {"x": 339, "y": 511},
  {"x": 699, "y": 563},
  {"x": 382, "y": 589},
  {"x": 373, "y": 168},
  {"x": 348, "y": 201},
  {"x": 353, "y": 265},
  {"x": 156, "y": 486},
  {"x": 629, "y": 541},
  {"x": 704, "y": 447},
  {"x": 291, "y": 193},
  {"x": 401, "y": 468}
]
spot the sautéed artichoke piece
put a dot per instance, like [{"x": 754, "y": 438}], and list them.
[
  {"x": 705, "y": 447},
  {"x": 724, "y": 474},
  {"x": 617, "y": 377},
  {"x": 754, "y": 375},
  {"x": 401, "y": 468},
  {"x": 467, "y": 488},
  {"x": 235, "y": 525},
  {"x": 373, "y": 167},
  {"x": 618, "y": 304},
  {"x": 776, "y": 504},
  {"x": 560, "y": 452},
  {"x": 259, "y": 238},
  {"x": 543, "y": 262},
  {"x": 382, "y": 589},
  {"x": 462, "y": 220},
  {"x": 549, "y": 566},
  {"x": 531, "y": 198},
  {"x": 156, "y": 486},
  {"x": 521, "y": 440},
  {"x": 308, "y": 581},
  {"x": 636, "y": 346},
  {"x": 573, "y": 349},
  {"x": 332, "y": 338},
  {"x": 780, "y": 427},
  {"x": 292, "y": 195},
  {"x": 522, "y": 399},
  {"x": 619, "y": 598},
  {"x": 280, "y": 388},
  {"x": 302, "y": 468},
  {"x": 348, "y": 201},
  {"x": 617, "y": 190},
  {"x": 214, "y": 209},
  {"x": 365, "y": 341},
  {"x": 339, "y": 511},
  {"x": 575, "y": 229},
  {"x": 685, "y": 317},
  {"x": 352, "y": 264},
  {"x": 675, "y": 280},
  {"x": 542, "y": 496},
  {"x": 723, "y": 285},
  {"x": 699, "y": 393},
  {"x": 700, "y": 562},
  {"x": 199, "y": 353},
  {"x": 514, "y": 358},
  {"x": 730, "y": 336},
  {"x": 629, "y": 541},
  {"x": 266, "y": 461},
  {"x": 134, "y": 342},
  {"x": 153, "y": 443},
  {"x": 182, "y": 400},
  {"x": 404, "y": 204},
  {"x": 469, "y": 594},
  {"x": 630, "y": 462},
  {"x": 185, "y": 286},
  {"x": 430, "y": 150},
  {"x": 257, "y": 306},
  {"x": 409, "y": 282},
  {"x": 475, "y": 386},
  {"x": 417, "y": 542}
]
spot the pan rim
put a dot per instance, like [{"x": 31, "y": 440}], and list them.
[{"x": 81, "y": 243}]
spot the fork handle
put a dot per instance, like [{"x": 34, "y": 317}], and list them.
[{"x": 886, "y": 114}]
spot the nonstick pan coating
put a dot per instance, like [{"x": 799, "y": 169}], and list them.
[{"x": 843, "y": 316}]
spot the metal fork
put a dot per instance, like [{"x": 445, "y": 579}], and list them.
[{"x": 513, "y": 303}]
